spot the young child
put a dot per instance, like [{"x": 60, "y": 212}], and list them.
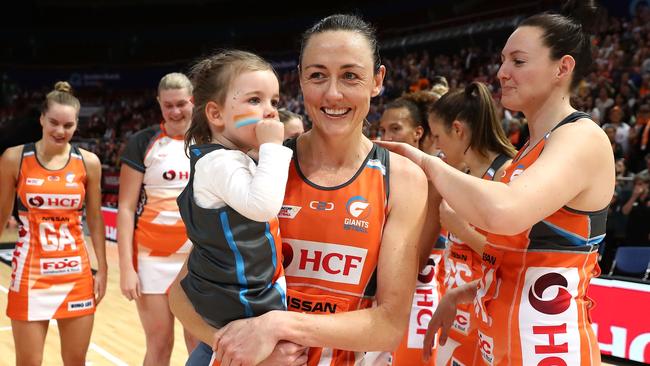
[{"x": 230, "y": 204}]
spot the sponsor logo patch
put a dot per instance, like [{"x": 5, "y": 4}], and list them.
[
  {"x": 288, "y": 212},
  {"x": 53, "y": 201},
  {"x": 486, "y": 345},
  {"x": 462, "y": 322},
  {"x": 80, "y": 305},
  {"x": 359, "y": 208},
  {"x": 321, "y": 206},
  {"x": 325, "y": 261},
  {"x": 34, "y": 181},
  {"x": 60, "y": 266},
  {"x": 548, "y": 316}
]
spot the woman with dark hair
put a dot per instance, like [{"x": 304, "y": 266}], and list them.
[
  {"x": 465, "y": 127},
  {"x": 350, "y": 222},
  {"x": 546, "y": 216},
  {"x": 405, "y": 120}
]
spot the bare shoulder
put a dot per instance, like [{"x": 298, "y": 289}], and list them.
[
  {"x": 10, "y": 158},
  {"x": 582, "y": 134},
  {"x": 406, "y": 178},
  {"x": 12, "y": 153},
  {"x": 405, "y": 168},
  {"x": 90, "y": 158}
]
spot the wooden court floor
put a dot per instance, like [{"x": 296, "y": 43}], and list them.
[{"x": 117, "y": 339}]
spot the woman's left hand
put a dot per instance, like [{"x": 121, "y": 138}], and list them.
[
  {"x": 245, "y": 342},
  {"x": 99, "y": 285}
]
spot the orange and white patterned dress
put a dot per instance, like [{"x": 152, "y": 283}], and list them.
[
  {"x": 51, "y": 276},
  {"x": 160, "y": 243}
]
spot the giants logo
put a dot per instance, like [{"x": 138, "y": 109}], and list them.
[
  {"x": 330, "y": 262},
  {"x": 486, "y": 345},
  {"x": 358, "y": 207},
  {"x": 548, "y": 317},
  {"x": 171, "y": 174},
  {"x": 60, "y": 266},
  {"x": 53, "y": 201}
]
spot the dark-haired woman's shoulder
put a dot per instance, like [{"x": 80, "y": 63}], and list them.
[{"x": 405, "y": 178}]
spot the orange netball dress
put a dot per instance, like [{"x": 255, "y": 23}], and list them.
[
  {"x": 51, "y": 276},
  {"x": 331, "y": 238},
  {"x": 531, "y": 301},
  {"x": 428, "y": 291},
  {"x": 160, "y": 243},
  {"x": 463, "y": 266}
]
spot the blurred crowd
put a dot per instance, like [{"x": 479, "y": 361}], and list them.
[{"x": 616, "y": 94}]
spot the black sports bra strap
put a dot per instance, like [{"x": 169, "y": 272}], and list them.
[
  {"x": 497, "y": 163},
  {"x": 572, "y": 118}
]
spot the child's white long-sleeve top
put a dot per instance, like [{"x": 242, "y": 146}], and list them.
[{"x": 230, "y": 177}]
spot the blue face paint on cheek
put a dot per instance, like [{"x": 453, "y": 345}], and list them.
[{"x": 246, "y": 122}]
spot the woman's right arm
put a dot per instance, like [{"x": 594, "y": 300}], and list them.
[
  {"x": 130, "y": 184},
  {"x": 9, "y": 165},
  {"x": 576, "y": 169},
  {"x": 285, "y": 353}
]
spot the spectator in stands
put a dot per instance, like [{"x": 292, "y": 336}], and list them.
[
  {"x": 637, "y": 209},
  {"x": 293, "y": 125},
  {"x": 639, "y": 138},
  {"x": 603, "y": 101},
  {"x": 622, "y": 129},
  {"x": 610, "y": 130}
]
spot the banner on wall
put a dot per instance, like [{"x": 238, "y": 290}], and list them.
[
  {"x": 110, "y": 222},
  {"x": 621, "y": 319}
]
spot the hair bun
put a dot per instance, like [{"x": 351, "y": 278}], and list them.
[
  {"x": 63, "y": 86},
  {"x": 582, "y": 12}
]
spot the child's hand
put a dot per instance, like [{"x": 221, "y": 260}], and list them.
[{"x": 269, "y": 130}]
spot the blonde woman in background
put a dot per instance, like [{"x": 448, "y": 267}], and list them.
[{"x": 150, "y": 234}]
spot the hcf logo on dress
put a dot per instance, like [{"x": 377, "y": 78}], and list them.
[
  {"x": 548, "y": 316},
  {"x": 324, "y": 261}
]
